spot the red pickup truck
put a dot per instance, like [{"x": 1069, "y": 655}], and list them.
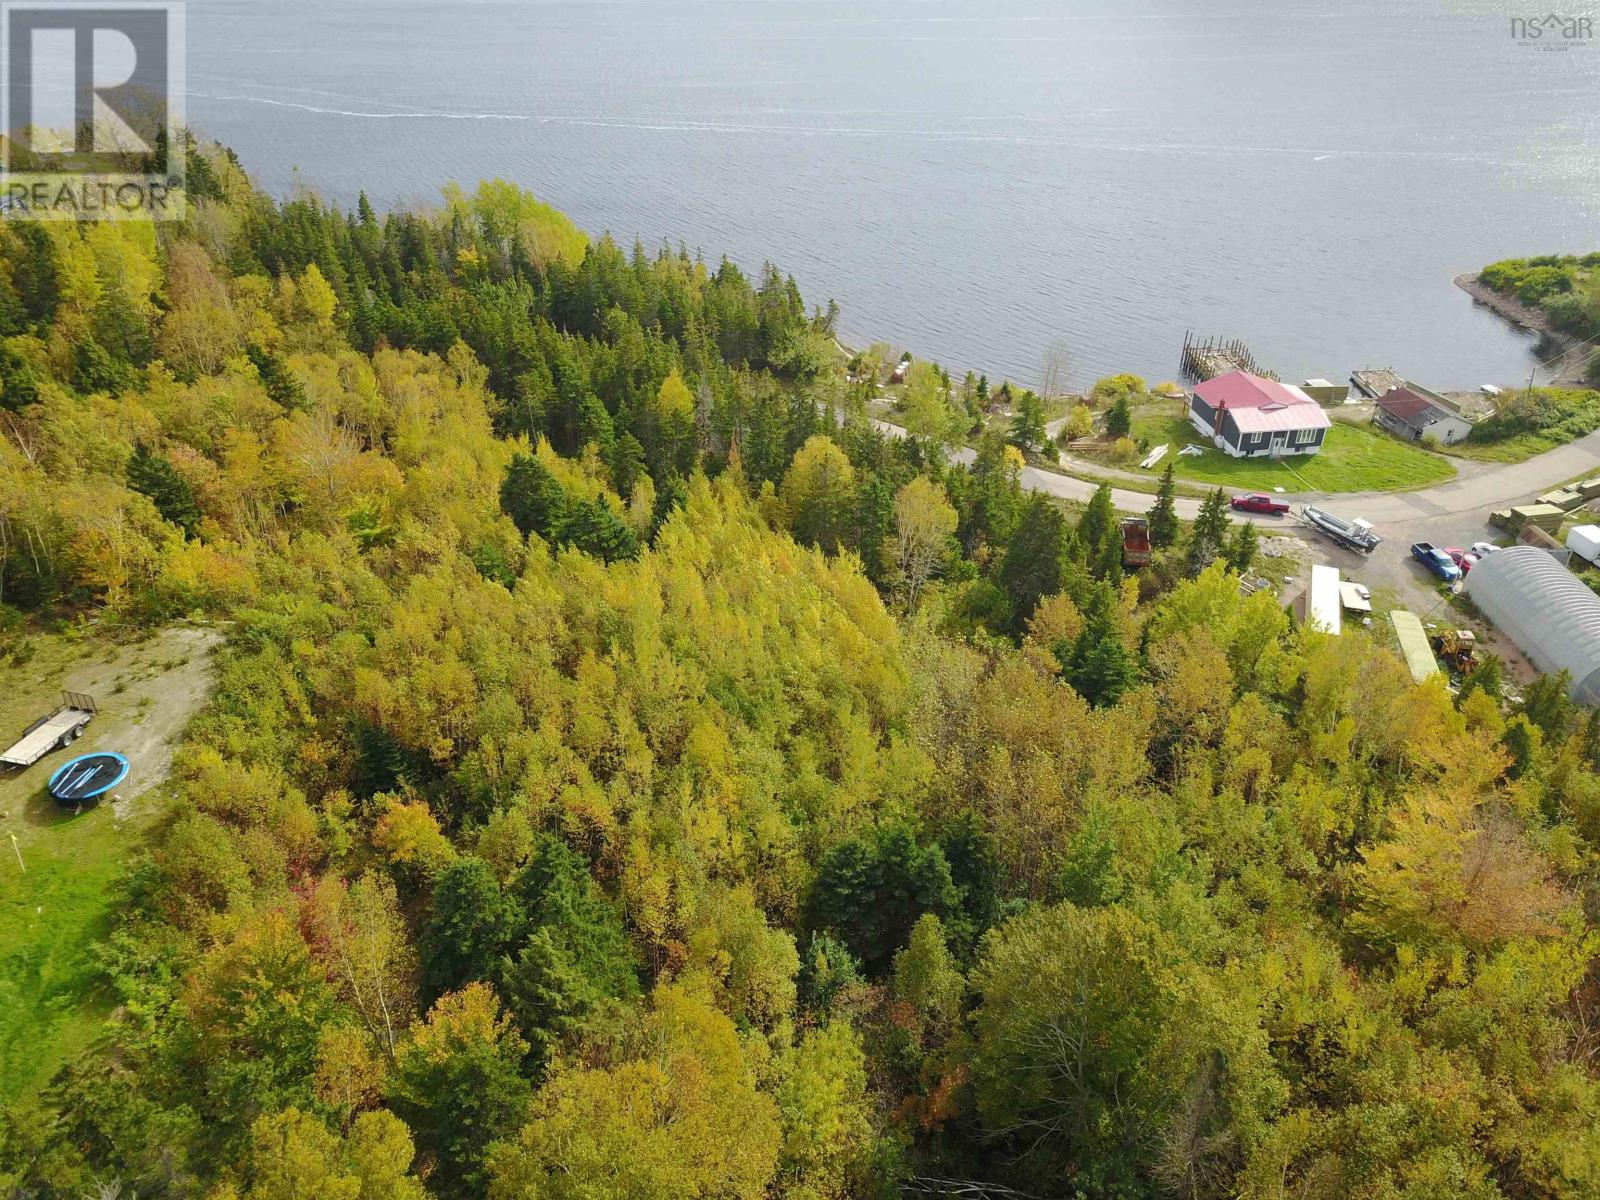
[{"x": 1260, "y": 502}]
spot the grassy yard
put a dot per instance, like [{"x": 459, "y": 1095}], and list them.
[
  {"x": 52, "y": 912},
  {"x": 1353, "y": 459},
  {"x": 1535, "y": 422}
]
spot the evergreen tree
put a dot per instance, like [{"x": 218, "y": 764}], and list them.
[
  {"x": 19, "y": 385},
  {"x": 1242, "y": 548},
  {"x": 989, "y": 514},
  {"x": 1209, "y": 537},
  {"x": 1097, "y": 527},
  {"x": 577, "y": 961},
  {"x": 474, "y": 924},
  {"x": 533, "y": 498},
  {"x": 1099, "y": 666},
  {"x": 1119, "y": 420},
  {"x": 626, "y": 464},
  {"x": 1032, "y": 566},
  {"x": 875, "y": 527},
  {"x": 671, "y": 495},
  {"x": 34, "y": 272},
  {"x": 121, "y": 328},
  {"x": 592, "y": 526},
  {"x": 1164, "y": 513},
  {"x": 870, "y": 892},
  {"x": 155, "y": 477},
  {"x": 1487, "y": 676},
  {"x": 827, "y": 968},
  {"x": 277, "y": 378},
  {"x": 96, "y": 370},
  {"x": 1027, "y": 425}
]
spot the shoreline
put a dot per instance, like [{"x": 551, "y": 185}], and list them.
[{"x": 1568, "y": 368}]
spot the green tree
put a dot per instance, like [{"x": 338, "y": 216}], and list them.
[
  {"x": 1208, "y": 539},
  {"x": 870, "y": 891},
  {"x": 827, "y": 969},
  {"x": 1164, "y": 513},
  {"x": 458, "y": 1086},
  {"x": 1547, "y": 704},
  {"x": 1032, "y": 567},
  {"x": 594, "y": 527},
  {"x": 1119, "y": 418},
  {"x": 1097, "y": 527},
  {"x": 1242, "y": 547},
  {"x": 1095, "y": 1031},
  {"x": 875, "y": 508},
  {"x": 577, "y": 964},
  {"x": 1027, "y": 423},
  {"x": 1098, "y": 665},
  {"x": 154, "y": 476},
  {"x": 533, "y": 498},
  {"x": 817, "y": 493},
  {"x": 278, "y": 379},
  {"x": 474, "y": 924}
]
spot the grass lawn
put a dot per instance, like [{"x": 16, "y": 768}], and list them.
[
  {"x": 52, "y": 913},
  {"x": 1558, "y": 416},
  {"x": 1353, "y": 459}
]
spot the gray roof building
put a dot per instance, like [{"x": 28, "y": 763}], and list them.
[{"x": 1541, "y": 606}]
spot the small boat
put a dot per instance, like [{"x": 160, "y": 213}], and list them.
[
  {"x": 1355, "y": 535},
  {"x": 88, "y": 776}
]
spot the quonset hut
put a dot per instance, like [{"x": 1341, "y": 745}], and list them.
[{"x": 1552, "y": 617}]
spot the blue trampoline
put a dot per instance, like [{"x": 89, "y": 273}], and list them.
[{"x": 87, "y": 776}]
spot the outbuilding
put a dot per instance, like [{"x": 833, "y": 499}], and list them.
[
  {"x": 1413, "y": 412},
  {"x": 1552, "y": 617},
  {"x": 1249, "y": 416}
]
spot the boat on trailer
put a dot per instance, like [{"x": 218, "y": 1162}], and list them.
[{"x": 1355, "y": 535}]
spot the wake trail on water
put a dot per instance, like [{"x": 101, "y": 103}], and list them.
[{"x": 923, "y": 135}]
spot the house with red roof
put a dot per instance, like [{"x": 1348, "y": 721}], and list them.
[
  {"x": 1413, "y": 412},
  {"x": 1248, "y": 416}
]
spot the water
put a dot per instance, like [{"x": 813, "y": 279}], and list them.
[{"x": 977, "y": 186}]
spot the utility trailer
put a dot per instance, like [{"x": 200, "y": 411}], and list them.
[
  {"x": 1355, "y": 534},
  {"x": 55, "y": 731}
]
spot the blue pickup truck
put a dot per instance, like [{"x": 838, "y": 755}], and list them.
[{"x": 1436, "y": 560}]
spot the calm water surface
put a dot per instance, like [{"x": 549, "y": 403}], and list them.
[{"x": 976, "y": 182}]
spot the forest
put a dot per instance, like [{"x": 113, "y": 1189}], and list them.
[{"x": 633, "y": 776}]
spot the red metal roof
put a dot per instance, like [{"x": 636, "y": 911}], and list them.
[
  {"x": 1411, "y": 407},
  {"x": 1277, "y": 418},
  {"x": 1241, "y": 389}
]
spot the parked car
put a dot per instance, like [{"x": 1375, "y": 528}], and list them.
[
  {"x": 1436, "y": 560},
  {"x": 1260, "y": 502},
  {"x": 1464, "y": 559},
  {"x": 1484, "y": 549}
]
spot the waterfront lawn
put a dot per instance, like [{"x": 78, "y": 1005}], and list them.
[
  {"x": 1531, "y": 423},
  {"x": 1353, "y": 458}
]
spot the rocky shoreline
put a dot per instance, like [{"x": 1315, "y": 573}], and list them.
[{"x": 1560, "y": 353}]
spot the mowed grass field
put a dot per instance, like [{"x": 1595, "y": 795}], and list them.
[
  {"x": 1354, "y": 458},
  {"x": 59, "y": 869}
]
